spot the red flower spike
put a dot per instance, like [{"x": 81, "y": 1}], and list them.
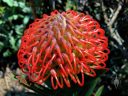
[{"x": 61, "y": 46}]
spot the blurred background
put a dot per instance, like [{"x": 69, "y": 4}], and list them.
[{"x": 16, "y": 15}]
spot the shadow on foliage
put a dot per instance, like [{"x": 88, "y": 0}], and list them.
[{"x": 20, "y": 93}]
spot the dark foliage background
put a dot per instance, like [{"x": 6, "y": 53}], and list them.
[{"x": 16, "y": 15}]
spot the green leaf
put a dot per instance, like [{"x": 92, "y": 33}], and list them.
[
  {"x": 15, "y": 3},
  {"x": 99, "y": 91},
  {"x": 26, "y": 9},
  {"x": 2, "y": 10},
  {"x": 71, "y": 5},
  {"x": 13, "y": 42},
  {"x": 26, "y": 19},
  {"x": 1, "y": 21},
  {"x": 22, "y": 4},
  {"x": 19, "y": 29},
  {"x": 1, "y": 45},
  {"x": 13, "y": 17},
  {"x": 7, "y": 53},
  {"x": 9, "y": 2},
  {"x": 92, "y": 86}
]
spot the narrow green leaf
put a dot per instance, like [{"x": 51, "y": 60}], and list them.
[
  {"x": 92, "y": 87},
  {"x": 1, "y": 45},
  {"x": 99, "y": 91},
  {"x": 12, "y": 42}
]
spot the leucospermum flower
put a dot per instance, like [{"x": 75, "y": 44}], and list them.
[{"x": 61, "y": 46}]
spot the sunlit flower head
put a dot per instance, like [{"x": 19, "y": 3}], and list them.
[{"x": 61, "y": 46}]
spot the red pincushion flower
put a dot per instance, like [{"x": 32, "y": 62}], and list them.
[{"x": 61, "y": 46}]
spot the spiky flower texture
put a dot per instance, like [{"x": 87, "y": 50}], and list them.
[{"x": 61, "y": 46}]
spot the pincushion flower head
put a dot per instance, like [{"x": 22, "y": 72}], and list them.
[{"x": 61, "y": 46}]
